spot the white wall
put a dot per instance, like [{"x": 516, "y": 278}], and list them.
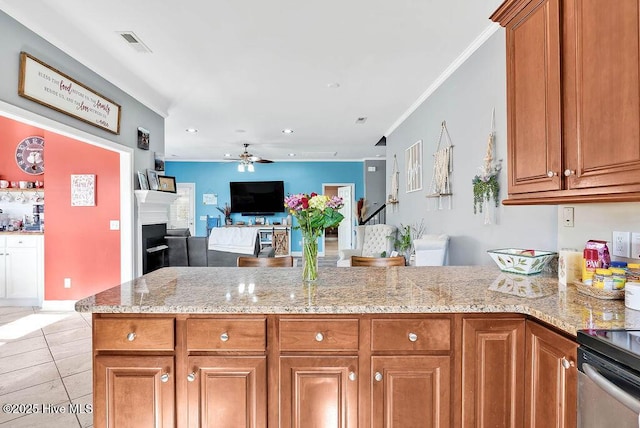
[{"x": 465, "y": 102}]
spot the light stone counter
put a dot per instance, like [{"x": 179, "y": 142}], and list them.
[{"x": 450, "y": 289}]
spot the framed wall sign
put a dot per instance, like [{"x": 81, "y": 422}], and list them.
[
  {"x": 83, "y": 190},
  {"x": 45, "y": 85}
]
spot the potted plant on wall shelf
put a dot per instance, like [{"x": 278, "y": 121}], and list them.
[{"x": 486, "y": 186}]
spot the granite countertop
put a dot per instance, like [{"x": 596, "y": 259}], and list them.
[{"x": 449, "y": 289}]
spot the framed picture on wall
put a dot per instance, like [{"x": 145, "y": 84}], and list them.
[
  {"x": 143, "y": 139},
  {"x": 153, "y": 179}
]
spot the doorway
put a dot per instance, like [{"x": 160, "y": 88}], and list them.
[
  {"x": 125, "y": 221},
  {"x": 341, "y": 237}
]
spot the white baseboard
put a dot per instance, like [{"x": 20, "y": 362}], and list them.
[{"x": 59, "y": 305}]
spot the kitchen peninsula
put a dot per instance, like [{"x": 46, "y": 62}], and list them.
[{"x": 361, "y": 347}]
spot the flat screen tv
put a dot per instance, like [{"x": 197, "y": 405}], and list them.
[{"x": 257, "y": 197}]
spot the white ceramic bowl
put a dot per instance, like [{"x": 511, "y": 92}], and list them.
[{"x": 520, "y": 260}]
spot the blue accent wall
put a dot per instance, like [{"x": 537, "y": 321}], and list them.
[{"x": 298, "y": 177}]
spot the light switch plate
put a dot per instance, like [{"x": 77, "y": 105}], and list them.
[{"x": 567, "y": 216}]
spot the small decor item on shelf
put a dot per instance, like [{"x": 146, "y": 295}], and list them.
[
  {"x": 485, "y": 185},
  {"x": 314, "y": 213},
  {"x": 226, "y": 210},
  {"x": 393, "y": 196}
]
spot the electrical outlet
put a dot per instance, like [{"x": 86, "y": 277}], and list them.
[
  {"x": 114, "y": 224},
  {"x": 635, "y": 245},
  {"x": 621, "y": 244},
  {"x": 67, "y": 283}
]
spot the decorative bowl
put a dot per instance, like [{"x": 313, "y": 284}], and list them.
[{"x": 520, "y": 260}]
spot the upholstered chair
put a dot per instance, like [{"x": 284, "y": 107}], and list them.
[
  {"x": 371, "y": 241},
  {"x": 431, "y": 250}
]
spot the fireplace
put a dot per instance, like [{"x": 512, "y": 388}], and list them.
[{"x": 154, "y": 247}]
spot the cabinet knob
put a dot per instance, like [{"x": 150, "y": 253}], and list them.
[
  {"x": 131, "y": 337},
  {"x": 378, "y": 376},
  {"x": 566, "y": 363},
  {"x": 191, "y": 376},
  {"x": 352, "y": 376},
  {"x": 568, "y": 172},
  {"x": 319, "y": 337},
  {"x": 224, "y": 336},
  {"x": 164, "y": 378},
  {"x": 551, "y": 174},
  {"x": 413, "y": 337}
]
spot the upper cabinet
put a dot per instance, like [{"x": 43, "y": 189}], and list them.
[{"x": 573, "y": 100}]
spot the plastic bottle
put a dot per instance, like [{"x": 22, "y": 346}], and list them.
[
  {"x": 603, "y": 279},
  {"x": 619, "y": 277},
  {"x": 589, "y": 265}
]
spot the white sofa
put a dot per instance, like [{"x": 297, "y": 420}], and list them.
[
  {"x": 371, "y": 241},
  {"x": 431, "y": 250}
]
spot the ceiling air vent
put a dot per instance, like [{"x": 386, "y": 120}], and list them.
[
  {"x": 134, "y": 41},
  {"x": 361, "y": 120}
]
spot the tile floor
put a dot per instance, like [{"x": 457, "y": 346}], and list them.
[{"x": 45, "y": 359}]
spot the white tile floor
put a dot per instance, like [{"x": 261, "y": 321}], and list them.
[{"x": 45, "y": 360}]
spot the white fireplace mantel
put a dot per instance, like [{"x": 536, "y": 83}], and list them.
[{"x": 153, "y": 206}]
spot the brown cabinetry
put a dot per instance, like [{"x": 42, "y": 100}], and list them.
[
  {"x": 134, "y": 372},
  {"x": 421, "y": 370},
  {"x": 551, "y": 378},
  {"x": 493, "y": 372},
  {"x": 573, "y": 100},
  {"x": 318, "y": 366},
  {"x": 411, "y": 372}
]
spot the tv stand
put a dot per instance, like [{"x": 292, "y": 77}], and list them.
[{"x": 275, "y": 236}]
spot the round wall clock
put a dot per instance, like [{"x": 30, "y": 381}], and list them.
[{"x": 30, "y": 155}]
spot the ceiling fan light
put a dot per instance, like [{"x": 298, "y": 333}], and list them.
[
  {"x": 240, "y": 167},
  {"x": 250, "y": 167}
]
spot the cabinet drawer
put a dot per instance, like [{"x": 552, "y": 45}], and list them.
[
  {"x": 411, "y": 334},
  {"x": 126, "y": 334},
  {"x": 319, "y": 335},
  {"x": 226, "y": 334},
  {"x": 22, "y": 241}
]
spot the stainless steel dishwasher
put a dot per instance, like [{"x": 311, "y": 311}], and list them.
[{"x": 608, "y": 378}]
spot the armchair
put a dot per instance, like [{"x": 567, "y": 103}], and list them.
[
  {"x": 371, "y": 241},
  {"x": 431, "y": 250}
]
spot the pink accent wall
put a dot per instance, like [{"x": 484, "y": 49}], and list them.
[{"x": 78, "y": 242}]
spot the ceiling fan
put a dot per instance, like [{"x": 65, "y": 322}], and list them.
[{"x": 246, "y": 160}]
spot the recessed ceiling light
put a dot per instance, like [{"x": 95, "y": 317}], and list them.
[
  {"x": 333, "y": 85},
  {"x": 191, "y": 130},
  {"x": 287, "y": 131},
  {"x": 227, "y": 155},
  {"x": 292, "y": 155}
]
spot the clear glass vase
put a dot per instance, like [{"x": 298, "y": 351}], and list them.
[{"x": 310, "y": 258}]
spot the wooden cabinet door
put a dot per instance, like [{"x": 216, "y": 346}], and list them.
[
  {"x": 411, "y": 391},
  {"x": 534, "y": 98},
  {"x": 134, "y": 391},
  {"x": 551, "y": 379},
  {"x": 602, "y": 69},
  {"x": 318, "y": 391},
  {"x": 493, "y": 372},
  {"x": 227, "y": 391}
]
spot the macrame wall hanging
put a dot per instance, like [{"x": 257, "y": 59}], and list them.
[
  {"x": 442, "y": 168},
  {"x": 486, "y": 187}
]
